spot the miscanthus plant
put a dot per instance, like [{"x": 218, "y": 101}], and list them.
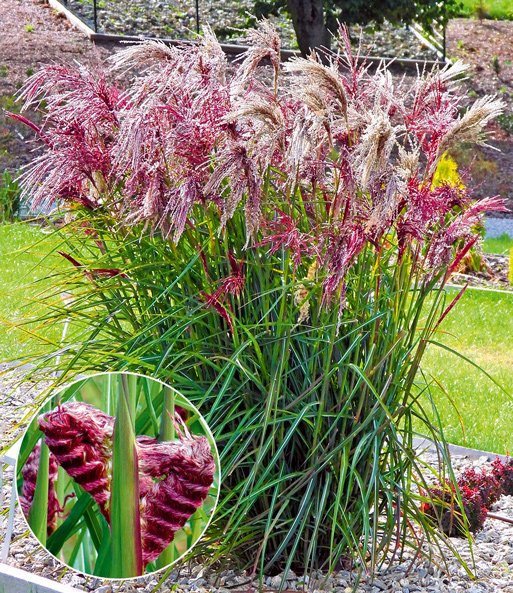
[{"x": 275, "y": 244}]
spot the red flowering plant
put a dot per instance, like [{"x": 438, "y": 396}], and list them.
[
  {"x": 279, "y": 253},
  {"x": 456, "y": 518},
  {"x": 478, "y": 490},
  {"x": 503, "y": 473},
  {"x": 489, "y": 486}
]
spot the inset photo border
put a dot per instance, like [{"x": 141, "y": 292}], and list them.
[{"x": 118, "y": 475}]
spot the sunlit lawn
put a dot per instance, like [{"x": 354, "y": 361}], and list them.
[
  {"x": 502, "y": 244},
  {"x": 481, "y": 328},
  {"x": 17, "y": 270},
  {"x": 495, "y": 9}
]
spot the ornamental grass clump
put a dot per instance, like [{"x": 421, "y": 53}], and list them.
[{"x": 271, "y": 242}]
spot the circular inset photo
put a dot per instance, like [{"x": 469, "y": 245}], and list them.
[{"x": 118, "y": 475}]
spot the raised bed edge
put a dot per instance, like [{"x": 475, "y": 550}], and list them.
[
  {"x": 423, "y": 444},
  {"x": 15, "y": 580}
]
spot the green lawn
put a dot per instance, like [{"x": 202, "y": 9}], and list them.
[
  {"x": 502, "y": 244},
  {"x": 480, "y": 327},
  {"x": 17, "y": 269},
  {"x": 493, "y": 9}
]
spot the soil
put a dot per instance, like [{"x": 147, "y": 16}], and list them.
[
  {"x": 34, "y": 34},
  {"x": 487, "y": 47}
]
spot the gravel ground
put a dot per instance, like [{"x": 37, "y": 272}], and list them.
[
  {"x": 496, "y": 227},
  {"x": 492, "y": 552}
]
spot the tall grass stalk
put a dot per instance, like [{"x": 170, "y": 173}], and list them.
[
  {"x": 124, "y": 502},
  {"x": 38, "y": 516},
  {"x": 10, "y": 203},
  {"x": 167, "y": 433},
  {"x": 268, "y": 244}
]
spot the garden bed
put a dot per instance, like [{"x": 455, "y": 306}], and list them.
[
  {"x": 179, "y": 20},
  {"x": 278, "y": 367},
  {"x": 493, "y": 275}
]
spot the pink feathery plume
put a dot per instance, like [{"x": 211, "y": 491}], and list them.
[
  {"x": 73, "y": 93},
  {"x": 79, "y": 129},
  {"x": 29, "y": 475},
  {"x": 80, "y": 437},
  {"x": 284, "y": 234},
  {"x": 235, "y": 282},
  {"x": 237, "y": 167},
  {"x": 31, "y": 125},
  {"x": 232, "y": 284},
  {"x": 263, "y": 42},
  {"x": 343, "y": 247},
  {"x": 213, "y": 301},
  {"x": 355, "y": 65},
  {"x": 495, "y": 204},
  {"x": 185, "y": 470}
]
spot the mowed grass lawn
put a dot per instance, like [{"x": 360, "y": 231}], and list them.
[
  {"x": 18, "y": 287},
  {"x": 494, "y": 9},
  {"x": 502, "y": 244},
  {"x": 480, "y": 327}
]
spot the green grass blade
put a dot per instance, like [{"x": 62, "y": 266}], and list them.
[
  {"x": 167, "y": 433},
  {"x": 69, "y": 526},
  {"x": 92, "y": 521},
  {"x": 76, "y": 549},
  {"x": 38, "y": 515},
  {"x": 125, "y": 516},
  {"x": 102, "y": 567},
  {"x": 27, "y": 446},
  {"x": 150, "y": 394}
]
